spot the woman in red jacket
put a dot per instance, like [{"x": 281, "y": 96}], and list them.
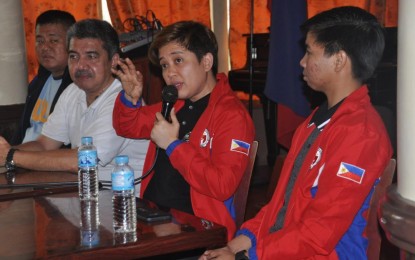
[{"x": 203, "y": 151}]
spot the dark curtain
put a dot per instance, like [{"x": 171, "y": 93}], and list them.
[{"x": 284, "y": 84}]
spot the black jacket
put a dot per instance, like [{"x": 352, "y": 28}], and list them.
[{"x": 34, "y": 89}]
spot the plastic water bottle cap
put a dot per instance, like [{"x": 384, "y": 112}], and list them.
[
  {"x": 86, "y": 140},
  {"x": 121, "y": 159}
]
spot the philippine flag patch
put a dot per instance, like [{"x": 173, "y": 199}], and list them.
[
  {"x": 240, "y": 146},
  {"x": 351, "y": 172}
]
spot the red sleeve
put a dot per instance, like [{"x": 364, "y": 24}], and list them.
[{"x": 133, "y": 122}]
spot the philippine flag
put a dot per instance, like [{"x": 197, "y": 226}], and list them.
[
  {"x": 240, "y": 146},
  {"x": 351, "y": 172}
]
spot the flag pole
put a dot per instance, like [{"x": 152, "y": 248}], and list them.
[{"x": 251, "y": 54}]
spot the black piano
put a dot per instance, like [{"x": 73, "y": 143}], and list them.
[{"x": 239, "y": 80}]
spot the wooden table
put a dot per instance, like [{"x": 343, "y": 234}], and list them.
[{"x": 49, "y": 226}]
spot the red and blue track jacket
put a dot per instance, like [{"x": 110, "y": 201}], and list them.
[
  {"x": 214, "y": 159},
  {"x": 326, "y": 215}
]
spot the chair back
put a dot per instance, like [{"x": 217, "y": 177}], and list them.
[
  {"x": 372, "y": 229},
  {"x": 241, "y": 194}
]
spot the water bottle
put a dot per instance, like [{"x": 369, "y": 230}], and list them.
[
  {"x": 123, "y": 196},
  {"x": 87, "y": 170},
  {"x": 89, "y": 223},
  {"x": 125, "y": 237}
]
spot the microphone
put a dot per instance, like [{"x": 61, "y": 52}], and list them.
[{"x": 169, "y": 97}]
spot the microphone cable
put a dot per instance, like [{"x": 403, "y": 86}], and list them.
[
  {"x": 169, "y": 96},
  {"x": 138, "y": 179}
]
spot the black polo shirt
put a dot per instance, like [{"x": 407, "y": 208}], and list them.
[
  {"x": 324, "y": 114},
  {"x": 167, "y": 188}
]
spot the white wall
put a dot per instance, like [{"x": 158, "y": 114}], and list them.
[
  {"x": 13, "y": 65},
  {"x": 220, "y": 26}
]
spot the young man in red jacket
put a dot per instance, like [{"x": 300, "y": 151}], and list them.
[
  {"x": 318, "y": 210},
  {"x": 203, "y": 152}
]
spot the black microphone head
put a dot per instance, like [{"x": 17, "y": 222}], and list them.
[{"x": 169, "y": 94}]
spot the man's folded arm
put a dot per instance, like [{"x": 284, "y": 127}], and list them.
[{"x": 44, "y": 155}]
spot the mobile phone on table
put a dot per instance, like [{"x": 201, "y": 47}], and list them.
[
  {"x": 152, "y": 215},
  {"x": 148, "y": 214}
]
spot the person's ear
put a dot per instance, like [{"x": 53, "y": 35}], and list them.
[
  {"x": 340, "y": 60},
  {"x": 207, "y": 61}
]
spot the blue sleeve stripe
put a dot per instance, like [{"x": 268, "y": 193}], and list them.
[
  {"x": 126, "y": 102},
  {"x": 353, "y": 245},
  {"x": 252, "y": 251},
  {"x": 171, "y": 146}
]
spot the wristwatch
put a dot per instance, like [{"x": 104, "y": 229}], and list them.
[
  {"x": 10, "y": 166},
  {"x": 241, "y": 255}
]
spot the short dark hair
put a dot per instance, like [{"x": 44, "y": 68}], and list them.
[
  {"x": 352, "y": 30},
  {"x": 96, "y": 29},
  {"x": 192, "y": 35},
  {"x": 56, "y": 17}
]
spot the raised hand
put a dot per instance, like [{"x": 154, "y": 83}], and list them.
[{"x": 131, "y": 79}]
